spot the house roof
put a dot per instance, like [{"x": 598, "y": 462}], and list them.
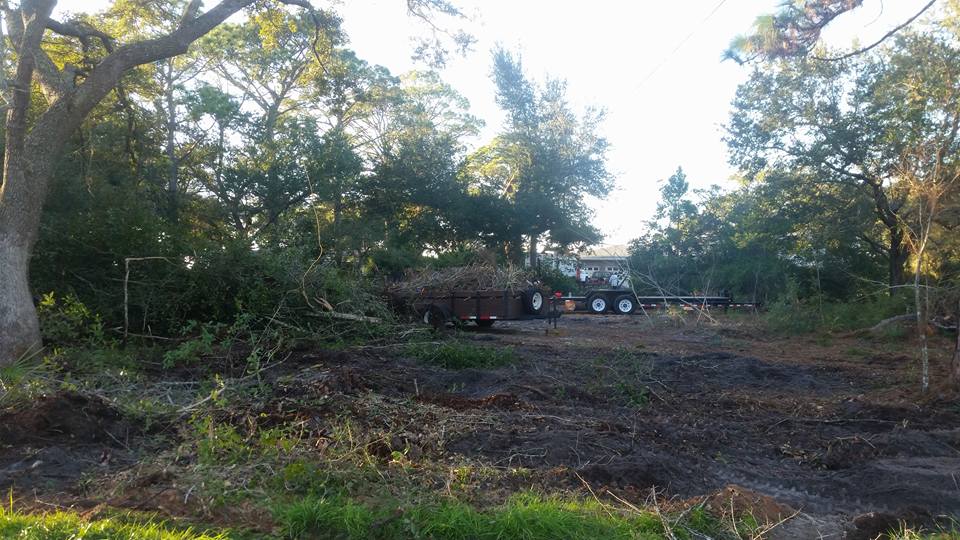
[{"x": 607, "y": 251}]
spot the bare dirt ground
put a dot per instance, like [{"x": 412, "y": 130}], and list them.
[{"x": 832, "y": 428}]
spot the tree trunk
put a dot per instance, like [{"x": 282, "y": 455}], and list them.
[
  {"x": 21, "y": 199},
  {"x": 921, "y": 326},
  {"x": 898, "y": 255},
  {"x": 955, "y": 367},
  {"x": 173, "y": 165},
  {"x": 534, "y": 259},
  {"x": 19, "y": 327},
  {"x": 514, "y": 251},
  {"x": 26, "y": 178}
]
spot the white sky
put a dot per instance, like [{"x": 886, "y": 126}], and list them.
[{"x": 654, "y": 66}]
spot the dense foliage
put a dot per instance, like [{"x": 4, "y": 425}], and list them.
[
  {"x": 849, "y": 185},
  {"x": 271, "y": 170}
]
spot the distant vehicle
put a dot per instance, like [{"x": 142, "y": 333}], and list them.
[{"x": 601, "y": 278}]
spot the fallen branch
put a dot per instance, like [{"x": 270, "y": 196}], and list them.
[
  {"x": 878, "y": 327},
  {"x": 887, "y": 322},
  {"x": 667, "y": 528},
  {"x": 348, "y": 317}
]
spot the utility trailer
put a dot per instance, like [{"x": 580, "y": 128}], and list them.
[
  {"x": 624, "y": 301},
  {"x": 437, "y": 307}
]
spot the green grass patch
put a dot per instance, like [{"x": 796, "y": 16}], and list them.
[
  {"x": 23, "y": 380},
  {"x": 856, "y": 352},
  {"x": 67, "y": 526},
  {"x": 526, "y": 516},
  {"x": 905, "y": 533},
  {"x": 461, "y": 355}
]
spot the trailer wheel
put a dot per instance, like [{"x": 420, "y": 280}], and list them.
[
  {"x": 436, "y": 316},
  {"x": 597, "y": 303},
  {"x": 485, "y": 323},
  {"x": 625, "y": 304},
  {"x": 532, "y": 301}
]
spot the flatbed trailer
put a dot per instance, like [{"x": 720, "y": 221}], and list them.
[
  {"x": 437, "y": 307},
  {"x": 625, "y": 301}
]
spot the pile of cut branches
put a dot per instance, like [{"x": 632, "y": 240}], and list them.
[{"x": 479, "y": 277}]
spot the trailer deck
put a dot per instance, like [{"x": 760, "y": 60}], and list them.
[{"x": 624, "y": 301}]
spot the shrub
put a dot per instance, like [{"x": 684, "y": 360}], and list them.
[
  {"x": 68, "y": 321},
  {"x": 461, "y": 355},
  {"x": 555, "y": 280},
  {"x": 793, "y": 315}
]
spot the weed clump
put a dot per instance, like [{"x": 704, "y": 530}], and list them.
[{"x": 461, "y": 355}]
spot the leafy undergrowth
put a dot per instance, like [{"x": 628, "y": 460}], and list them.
[
  {"x": 461, "y": 355},
  {"x": 68, "y": 526}
]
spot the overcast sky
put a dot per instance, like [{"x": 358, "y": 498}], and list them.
[{"x": 655, "y": 67}]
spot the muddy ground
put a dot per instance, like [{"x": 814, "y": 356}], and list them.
[{"x": 834, "y": 428}]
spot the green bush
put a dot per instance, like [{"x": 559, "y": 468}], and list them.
[
  {"x": 555, "y": 280},
  {"x": 792, "y": 314},
  {"x": 394, "y": 261},
  {"x": 191, "y": 350},
  {"x": 67, "y": 321},
  {"x": 457, "y": 257},
  {"x": 461, "y": 355}
]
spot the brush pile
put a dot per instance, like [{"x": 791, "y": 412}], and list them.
[{"x": 476, "y": 277}]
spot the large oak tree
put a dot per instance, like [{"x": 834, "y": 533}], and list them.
[{"x": 50, "y": 99}]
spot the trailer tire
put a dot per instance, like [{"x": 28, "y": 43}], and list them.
[
  {"x": 485, "y": 323},
  {"x": 533, "y": 301},
  {"x": 436, "y": 316},
  {"x": 625, "y": 304},
  {"x": 597, "y": 303}
]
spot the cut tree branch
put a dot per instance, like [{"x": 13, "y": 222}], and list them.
[{"x": 883, "y": 38}]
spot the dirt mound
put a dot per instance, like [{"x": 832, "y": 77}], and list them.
[
  {"x": 642, "y": 472},
  {"x": 78, "y": 418},
  {"x": 62, "y": 437},
  {"x": 876, "y": 525},
  {"x": 739, "y": 501}
]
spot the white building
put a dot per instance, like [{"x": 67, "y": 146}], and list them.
[
  {"x": 605, "y": 259},
  {"x": 609, "y": 259}
]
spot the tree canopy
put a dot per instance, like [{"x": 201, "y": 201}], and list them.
[{"x": 267, "y": 139}]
